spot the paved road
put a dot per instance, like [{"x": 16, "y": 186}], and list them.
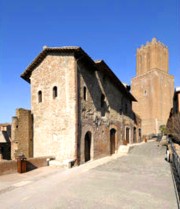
[{"x": 139, "y": 180}]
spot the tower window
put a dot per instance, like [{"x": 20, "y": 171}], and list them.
[
  {"x": 55, "y": 93},
  {"x": 102, "y": 100},
  {"x": 84, "y": 93},
  {"x": 39, "y": 96}
]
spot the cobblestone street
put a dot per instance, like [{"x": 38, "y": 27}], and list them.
[{"x": 141, "y": 179}]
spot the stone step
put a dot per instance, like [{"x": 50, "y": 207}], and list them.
[
  {"x": 66, "y": 163},
  {"x": 56, "y": 163},
  {"x": 123, "y": 149}
]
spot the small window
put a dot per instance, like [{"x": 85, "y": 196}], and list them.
[
  {"x": 102, "y": 100},
  {"x": 84, "y": 93},
  {"x": 55, "y": 93},
  {"x": 39, "y": 96}
]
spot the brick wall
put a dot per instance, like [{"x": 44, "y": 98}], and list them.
[
  {"x": 9, "y": 167},
  {"x": 99, "y": 119}
]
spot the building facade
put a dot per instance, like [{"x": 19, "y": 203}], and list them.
[
  {"x": 153, "y": 87},
  {"x": 80, "y": 109},
  {"x": 176, "y": 100}
]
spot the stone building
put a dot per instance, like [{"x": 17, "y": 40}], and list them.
[
  {"x": 153, "y": 87},
  {"x": 5, "y": 141},
  {"x": 22, "y": 134},
  {"x": 176, "y": 100},
  {"x": 80, "y": 109}
]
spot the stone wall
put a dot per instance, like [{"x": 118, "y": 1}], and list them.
[
  {"x": 54, "y": 116},
  {"x": 10, "y": 166},
  {"x": 33, "y": 163},
  {"x": 22, "y": 134},
  {"x": 99, "y": 119},
  {"x": 154, "y": 55}
]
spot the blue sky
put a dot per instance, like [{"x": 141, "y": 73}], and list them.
[{"x": 111, "y": 30}]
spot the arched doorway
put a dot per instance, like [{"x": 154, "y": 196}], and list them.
[
  {"x": 134, "y": 138},
  {"x": 112, "y": 140},
  {"x": 127, "y": 134},
  {"x": 87, "y": 147}
]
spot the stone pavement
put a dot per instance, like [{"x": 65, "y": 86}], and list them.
[{"x": 141, "y": 179}]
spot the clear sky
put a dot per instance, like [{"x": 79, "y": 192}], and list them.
[{"x": 111, "y": 30}]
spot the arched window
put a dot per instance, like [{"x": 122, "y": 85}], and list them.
[
  {"x": 55, "y": 93},
  {"x": 39, "y": 96},
  {"x": 84, "y": 93},
  {"x": 102, "y": 100}
]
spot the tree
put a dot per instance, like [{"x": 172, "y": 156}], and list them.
[
  {"x": 163, "y": 129},
  {"x": 173, "y": 126}
]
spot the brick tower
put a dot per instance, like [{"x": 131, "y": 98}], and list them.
[{"x": 153, "y": 87}]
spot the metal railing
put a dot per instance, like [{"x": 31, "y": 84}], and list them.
[{"x": 175, "y": 158}]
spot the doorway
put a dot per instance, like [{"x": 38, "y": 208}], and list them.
[
  {"x": 112, "y": 141},
  {"x": 134, "y": 138},
  {"x": 87, "y": 148},
  {"x": 127, "y": 135}
]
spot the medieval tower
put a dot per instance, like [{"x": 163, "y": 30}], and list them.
[{"x": 153, "y": 87}]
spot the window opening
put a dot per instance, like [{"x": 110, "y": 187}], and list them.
[
  {"x": 102, "y": 100},
  {"x": 55, "y": 94},
  {"x": 84, "y": 93},
  {"x": 39, "y": 96}
]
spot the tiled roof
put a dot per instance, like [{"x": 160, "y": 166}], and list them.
[{"x": 78, "y": 52}]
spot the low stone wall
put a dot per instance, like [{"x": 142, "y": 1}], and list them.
[
  {"x": 10, "y": 166},
  {"x": 33, "y": 163}
]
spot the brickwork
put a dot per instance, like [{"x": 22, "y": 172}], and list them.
[
  {"x": 22, "y": 134},
  {"x": 8, "y": 167},
  {"x": 33, "y": 163},
  {"x": 153, "y": 87},
  {"x": 116, "y": 113},
  {"x": 154, "y": 55}
]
